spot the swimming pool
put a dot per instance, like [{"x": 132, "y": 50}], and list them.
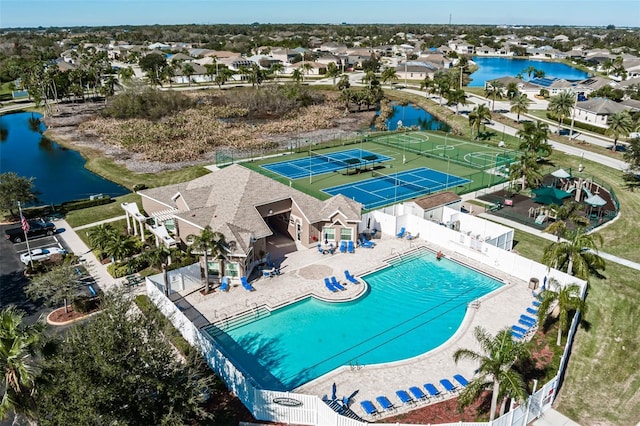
[{"x": 411, "y": 307}]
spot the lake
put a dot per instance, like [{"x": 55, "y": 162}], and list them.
[
  {"x": 492, "y": 68},
  {"x": 411, "y": 115},
  {"x": 59, "y": 172}
]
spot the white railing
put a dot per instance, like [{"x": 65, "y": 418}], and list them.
[{"x": 266, "y": 405}]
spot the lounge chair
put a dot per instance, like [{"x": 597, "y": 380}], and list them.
[
  {"x": 536, "y": 303},
  {"x": 336, "y": 284},
  {"x": 528, "y": 318},
  {"x": 401, "y": 233},
  {"x": 247, "y": 286},
  {"x": 417, "y": 393},
  {"x": 404, "y": 397},
  {"x": 343, "y": 246},
  {"x": 320, "y": 248},
  {"x": 330, "y": 286},
  {"x": 516, "y": 335},
  {"x": 520, "y": 330},
  {"x": 350, "y": 247},
  {"x": 350, "y": 277},
  {"x": 448, "y": 386},
  {"x": 369, "y": 408},
  {"x": 365, "y": 243},
  {"x": 410, "y": 236},
  {"x": 460, "y": 379},
  {"x": 526, "y": 323},
  {"x": 432, "y": 390},
  {"x": 385, "y": 403},
  {"x": 532, "y": 311},
  {"x": 224, "y": 284}
]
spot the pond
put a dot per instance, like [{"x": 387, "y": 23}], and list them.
[
  {"x": 410, "y": 115},
  {"x": 492, "y": 68},
  {"x": 59, "y": 172}
]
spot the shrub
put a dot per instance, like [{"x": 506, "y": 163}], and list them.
[
  {"x": 85, "y": 203},
  {"x": 149, "y": 104},
  {"x": 152, "y": 312},
  {"x": 86, "y": 304},
  {"x": 578, "y": 124},
  {"x": 139, "y": 187}
]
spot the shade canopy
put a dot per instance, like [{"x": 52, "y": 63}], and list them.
[
  {"x": 595, "y": 201},
  {"x": 550, "y": 195},
  {"x": 561, "y": 174}
]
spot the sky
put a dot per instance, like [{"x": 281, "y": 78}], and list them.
[{"x": 70, "y": 13}]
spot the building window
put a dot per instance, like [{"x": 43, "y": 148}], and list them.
[
  {"x": 346, "y": 234},
  {"x": 232, "y": 270},
  {"x": 329, "y": 234},
  {"x": 213, "y": 266}
]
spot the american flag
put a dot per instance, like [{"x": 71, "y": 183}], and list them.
[{"x": 24, "y": 222}]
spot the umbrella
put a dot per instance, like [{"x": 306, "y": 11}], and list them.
[
  {"x": 561, "y": 174},
  {"x": 550, "y": 195},
  {"x": 334, "y": 389}
]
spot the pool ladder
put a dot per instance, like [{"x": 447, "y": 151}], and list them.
[{"x": 397, "y": 253}]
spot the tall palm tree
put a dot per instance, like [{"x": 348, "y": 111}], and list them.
[
  {"x": 494, "y": 90},
  {"x": 534, "y": 138},
  {"x": 332, "y": 71},
  {"x": 210, "y": 243},
  {"x": 276, "y": 68},
  {"x": 565, "y": 214},
  {"x": 100, "y": 236},
  {"x": 126, "y": 73},
  {"x": 306, "y": 69},
  {"x": 20, "y": 344},
  {"x": 527, "y": 171},
  {"x": 389, "y": 74},
  {"x": 561, "y": 105},
  {"x": 457, "y": 97},
  {"x": 520, "y": 105},
  {"x": 512, "y": 90},
  {"x": 297, "y": 75},
  {"x": 565, "y": 299},
  {"x": 188, "y": 71},
  {"x": 578, "y": 255},
  {"x": 477, "y": 117},
  {"x": 496, "y": 370},
  {"x": 620, "y": 124}
]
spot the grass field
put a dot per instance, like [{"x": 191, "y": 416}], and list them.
[
  {"x": 314, "y": 185},
  {"x": 95, "y": 214}
]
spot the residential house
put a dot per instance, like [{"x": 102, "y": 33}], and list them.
[
  {"x": 461, "y": 47},
  {"x": 596, "y": 111},
  {"x": 249, "y": 209},
  {"x": 199, "y": 74},
  {"x": 415, "y": 70}
]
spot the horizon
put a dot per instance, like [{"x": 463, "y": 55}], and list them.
[{"x": 18, "y": 14}]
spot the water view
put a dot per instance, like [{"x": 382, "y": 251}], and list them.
[
  {"x": 410, "y": 115},
  {"x": 492, "y": 68},
  {"x": 59, "y": 172}
]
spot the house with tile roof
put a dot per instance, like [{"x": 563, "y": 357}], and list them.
[
  {"x": 596, "y": 111},
  {"x": 249, "y": 209}
]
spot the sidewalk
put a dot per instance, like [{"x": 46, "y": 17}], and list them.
[
  {"x": 553, "y": 418},
  {"x": 97, "y": 270}
]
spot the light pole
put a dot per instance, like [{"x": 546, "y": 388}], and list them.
[
  {"x": 405, "y": 69},
  {"x": 404, "y": 144}
]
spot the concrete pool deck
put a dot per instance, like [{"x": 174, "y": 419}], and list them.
[{"x": 302, "y": 276}]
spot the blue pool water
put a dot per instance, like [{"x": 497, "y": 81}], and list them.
[
  {"x": 492, "y": 68},
  {"x": 411, "y": 308}
]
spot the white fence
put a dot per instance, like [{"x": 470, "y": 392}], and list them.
[{"x": 266, "y": 405}]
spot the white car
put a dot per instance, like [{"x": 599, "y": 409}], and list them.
[{"x": 41, "y": 254}]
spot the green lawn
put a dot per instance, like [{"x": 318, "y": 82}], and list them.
[{"x": 94, "y": 214}]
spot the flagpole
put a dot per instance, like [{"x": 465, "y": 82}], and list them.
[{"x": 25, "y": 227}]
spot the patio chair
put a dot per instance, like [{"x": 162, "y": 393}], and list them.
[
  {"x": 448, "y": 386},
  {"x": 369, "y": 408},
  {"x": 336, "y": 284},
  {"x": 385, "y": 403},
  {"x": 224, "y": 284},
  {"x": 343, "y": 246},
  {"x": 404, "y": 397},
  {"x": 320, "y": 248},
  {"x": 350, "y": 247},
  {"x": 247, "y": 286},
  {"x": 401, "y": 233},
  {"x": 365, "y": 243},
  {"x": 329, "y": 286},
  {"x": 350, "y": 277},
  {"x": 432, "y": 390},
  {"x": 417, "y": 393},
  {"x": 461, "y": 379}
]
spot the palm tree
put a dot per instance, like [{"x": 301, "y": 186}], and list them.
[
  {"x": 539, "y": 73},
  {"x": 520, "y": 105},
  {"x": 477, "y": 117},
  {"x": 332, "y": 71},
  {"x": 496, "y": 370},
  {"x": 526, "y": 170},
  {"x": 297, "y": 75},
  {"x": 223, "y": 75},
  {"x": 565, "y": 299},
  {"x": 210, "y": 243},
  {"x": 389, "y": 74},
  {"x": 20, "y": 344},
  {"x": 126, "y": 74},
  {"x": 100, "y": 236},
  {"x": 457, "y": 97},
  {"x": 512, "y": 90},
  {"x": 565, "y": 214},
  {"x": 620, "y": 124},
  {"x": 494, "y": 90},
  {"x": 561, "y": 104},
  {"x": 578, "y": 255},
  {"x": 344, "y": 83},
  {"x": 188, "y": 71},
  {"x": 211, "y": 69},
  {"x": 534, "y": 138},
  {"x": 276, "y": 68},
  {"x": 306, "y": 69},
  {"x": 529, "y": 70}
]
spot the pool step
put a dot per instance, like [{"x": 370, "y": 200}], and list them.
[
  {"x": 244, "y": 318},
  {"x": 411, "y": 255}
]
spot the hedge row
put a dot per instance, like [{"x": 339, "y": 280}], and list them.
[
  {"x": 578, "y": 124},
  {"x": 85, "y": 203}
]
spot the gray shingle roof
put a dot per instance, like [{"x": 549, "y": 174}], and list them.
[{"x": 602, "y": 106}]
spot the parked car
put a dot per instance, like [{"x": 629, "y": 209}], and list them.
[
  {"x": 37, "y": 228},
  {"x": 40, "y": 254}
]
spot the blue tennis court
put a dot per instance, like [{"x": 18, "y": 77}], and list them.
[
  {"x": 386, "y": 189},
  {"x": 316, "y": 164}
]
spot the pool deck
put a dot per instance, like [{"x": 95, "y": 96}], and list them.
[{"x": 303, "y": 275}]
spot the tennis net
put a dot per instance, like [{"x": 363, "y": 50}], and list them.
[
  {"x": 329, "y": 159},
  {"x": 395, "y": 181}
]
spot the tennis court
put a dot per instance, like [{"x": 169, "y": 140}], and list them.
[
  {"x": 318, "y": 164},
  {"x": 384, "y": 189}
]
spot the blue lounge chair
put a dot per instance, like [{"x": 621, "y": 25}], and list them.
[
  {"x": 410, "y": 236},
  {"x": 519, "y": 330},
  {"x": 350, "y": 277},
  {"x": 460, "y": 379},
  {"x": 385, "y": 403},
  {"x": 404, "y": 397},
  {"x": 401, "y": 233},
  {"x": 417, "y": 393},
  {"x": 526, "y": 323},
  {"x": 224, "y": 284},
  {"x": 516, "y": 335},
  {"x": 247, "y": 286},
  {"x": 528, "y": 318},
  {"x": 432, "y": 390},
  {"x": 343, "y": 246},
  {"x": 330, "y": 286},
  {"x": 365, "y": 243},
  {"x": 536, "y": 303},
  {"x": 369, "y": 408},
  {"x": 93, "y": 291},
  {"x": 532, "y": 311},
  {"x": 448, "y": 386},
  {"x": 336, "y": 284},
  {"x": 350, "y": 247}
]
